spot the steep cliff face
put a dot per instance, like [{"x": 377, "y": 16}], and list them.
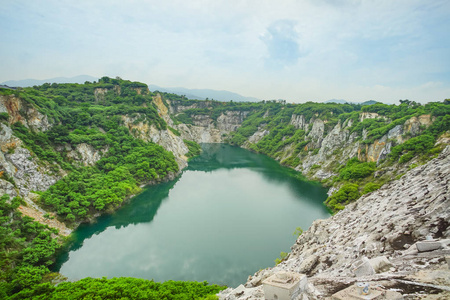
[
  {"x": 164, "y": 138},
  {"x": 25, "y": 172},
  {"x": 337, "y": 146},
  {"x": 375, "y": 239},
  {"x": 84, "y": 154},
  {"x": 20, "y": 111},
  {"x": 205, "y": 129}
]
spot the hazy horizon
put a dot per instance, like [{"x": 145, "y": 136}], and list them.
[{"x": 295, "y": 50}]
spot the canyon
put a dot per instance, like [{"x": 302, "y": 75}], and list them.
[{"x": 386, "y": 224}]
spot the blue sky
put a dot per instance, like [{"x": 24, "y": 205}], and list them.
[{"x": 299, "y": 50}]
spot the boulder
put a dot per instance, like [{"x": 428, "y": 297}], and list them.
[{"x": 425, "y": 246}]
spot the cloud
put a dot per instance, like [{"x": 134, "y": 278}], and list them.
[
  {"x": 297, "y": 49},
  {"x": 282, "y": 42}
]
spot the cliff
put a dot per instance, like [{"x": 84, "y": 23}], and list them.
[
  {"x": 385, "y": 227},
  {"x": 26, "y": 174},
  {"x": 316, "y": 139}
]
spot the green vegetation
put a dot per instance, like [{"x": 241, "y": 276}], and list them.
[
  {"x": 88, "y": 190},
  {"x": 194, "y": 148},
  {"x": 283, "y": 256},
  {"x": 120, "y": 288},
  {"x": 347, "y": 193},
  {"x": 356, "y": 169},
  {"x": 298, "y": 232},
  {"x": 92, "y": 114},
  {"x": 102, "y": 114},
  {"x": 174, "y": 131},
  {"x": 4, "y": 116},
  {"x": 370, "y": 187},
  {"x": 26, "y": 249}
]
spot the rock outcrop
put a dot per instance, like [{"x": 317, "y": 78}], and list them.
[
  {"x": 204, "y": 129},
  {"x": 28, "y": 174},
  {"x": 19, "y": 111},
  {"x": 376, "y": 238},
  {"x": 86, "y": 154}
]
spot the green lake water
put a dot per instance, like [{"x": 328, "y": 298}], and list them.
[{"x": 229, "y": 214}]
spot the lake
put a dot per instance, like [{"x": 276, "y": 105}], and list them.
[{"x": 229, "y": 214}]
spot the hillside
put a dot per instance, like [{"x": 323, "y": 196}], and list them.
[
  {"x": 377, "y": 239},
  {"x": 71, "y": 152}
]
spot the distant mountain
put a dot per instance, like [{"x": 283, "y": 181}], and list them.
[
  {"x": 369, "y": 102},
  {"x": 202, "y": 94},
  {"x": 32, "y": 82},
  {"x": 339, "y": 101},
  {"x": 342, "y": 101}
]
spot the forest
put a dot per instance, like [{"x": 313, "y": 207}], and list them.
[{"x": 92, "y": 113}]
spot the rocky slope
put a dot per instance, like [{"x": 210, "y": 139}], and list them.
[
  {"x": 339, "y": 144},
  {"x": 22, "y": 173},
  {"x": 375, "y": 239},
  {"x": 204, "y": 128},
  {"x": 379, "y": 224}
]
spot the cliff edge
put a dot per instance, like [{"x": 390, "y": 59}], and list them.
[{"x": 396, "y": 237}]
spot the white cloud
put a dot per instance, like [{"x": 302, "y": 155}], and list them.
[{"x": 316, "y": 50}]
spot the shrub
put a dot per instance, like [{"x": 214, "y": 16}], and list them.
[
  {"x": 347, "y": 193},
  {"x": 4, "y": 116},
  {"x": 356, "y": 169},
  {"x": 370, "y": 187}
]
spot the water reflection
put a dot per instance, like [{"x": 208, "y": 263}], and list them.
[{"x": 229, "y": 214}]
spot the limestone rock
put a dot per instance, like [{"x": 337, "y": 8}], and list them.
[
  {"x": 231, "y": 120},
  {"x": 172, "y": 143},
  {"x": 29, "y": 176},
  {"x": 380, "y": 264},
  {"x": 86, "y": 154},
  {"x": 372, "y": 233},
  {"x": 7, "y": 188},
  {"x": 368, "y": 115},
  {"x": 425, "y": 246},
  {"x": 37, "y": 121},
  {"x": 258, "y": 135},
  {"x": 299, "y": 122},
  {"x": 316, "y": 133},
  {"x": 308, "y": 264}
]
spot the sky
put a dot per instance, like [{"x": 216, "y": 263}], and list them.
[{"x": 299, "y": 50}]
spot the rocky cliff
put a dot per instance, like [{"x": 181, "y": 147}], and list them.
[
  {"x": 385, "y": 223},
  {"x": 23, "y": 174},
  {"x": 378, "y": 239},
  {"x": 204, "y": 129}
]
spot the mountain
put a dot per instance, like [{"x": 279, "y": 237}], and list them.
[
  {"x": 342, "y": 101},
  {"x": 32, "y": 82},
  {"x": 369, "y": 102},
  {"x": 339, "y": 101},
  {"x": 202, "y": 94}
]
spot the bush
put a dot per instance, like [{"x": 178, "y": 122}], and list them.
[
  {"x": 4, "y": 116},
  {"x": 194, "y": 148},
  {"x": 174, "y": 131},
  {"x": 356, "y": 169},
  {"x": 370, "y": 187},
  {"x": 417, "y": 145},
  {"x": 347, "y": 193}
]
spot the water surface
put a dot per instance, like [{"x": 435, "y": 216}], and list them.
[{"x": 229, "y": 214}]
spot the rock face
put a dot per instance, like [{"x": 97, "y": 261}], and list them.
[
  {"x": 86, "y": 155},
  {"x": 230, "y": 121},
  {"x": 28, "y": 175},
  {"x": 20, "y": 112},
  {"x": 376, "y": 234},
  {"x": 204, "y": 129},
  {"x": 299, "y": 122}
]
